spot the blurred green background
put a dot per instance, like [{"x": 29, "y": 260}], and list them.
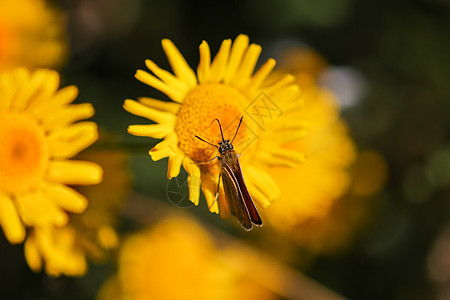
[{"x": 400, "y": 51}]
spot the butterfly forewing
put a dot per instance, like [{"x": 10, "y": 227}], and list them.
[
  {"x": 234, "y": 197},
  {"x": 248, "y": 201}
]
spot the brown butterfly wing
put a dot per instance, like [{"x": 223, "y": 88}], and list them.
[
  {"x": 252, "y": 211},
  {"x": 233, "y": 197}
]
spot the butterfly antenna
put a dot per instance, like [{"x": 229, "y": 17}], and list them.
[
  {"x": 206, "y": 141},
  {"x": 237, "y": 130},
  {"x": 221, "y": 132}
]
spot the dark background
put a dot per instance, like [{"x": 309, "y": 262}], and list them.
[{"x": 401, "y": 48}]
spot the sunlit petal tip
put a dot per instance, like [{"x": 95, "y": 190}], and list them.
[
  {"x": 150, "y": 64},
  {"x": 242, "y": 38}
]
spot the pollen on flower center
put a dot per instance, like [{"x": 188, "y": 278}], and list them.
[
  {"x": 23, "y": 153},
  {"x": 196, "y": 115}
]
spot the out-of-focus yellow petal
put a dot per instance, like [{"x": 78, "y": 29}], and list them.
[
  {"x": 66, "y": 197},
  {"x": 38, "y": 210},
  {"x": 10, "y": 220},
  {"x": 32, "y": 254},
  {"x": 66, "y": 142},
  {"x": 68, "y": 115},
  {"x": 74, "y": 172},
  {"x": 108, "y": 237}
]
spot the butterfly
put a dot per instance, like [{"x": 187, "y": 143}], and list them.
[{"x": 238, "y": 199}]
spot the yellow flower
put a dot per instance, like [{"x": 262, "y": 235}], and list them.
[
  {"x": 331, "y": 200},
  {"x": 324, "y": 177},
  {"x": 90, "y": 235},
  {"x": 310, "y": 190},
  {"x": 351, "y": 213},
  {"x": 39, "y": 136},
  {"x": 32, "y": 34},
  {"x": 226, "y": 88},
  {"x": 178, "y": 259}
]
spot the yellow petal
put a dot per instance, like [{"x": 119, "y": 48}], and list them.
[
  {"x": 32, "y": 254},
  {"x": 179, "y": 64},
  {"x": 193, "y": 180},
  {"x": 294, "y": 156},
  {"x": 6, "y": 91},
  {"x": 262, "y": 181},
  {"x": 42, "y": 99},
  {"x": 174, "y": 166},
  {"x": 170, "y": 140},
  {"x": 218, "y": 66},
  {"x": 169, "y": 107},
  {"x": 247, "y": 67},
  {"x": 157, "y": 131},
  {"x": 65, "y": 95},
  {"x": 158, "y": 154},
  {"x": 42, "y": 105},
  {"x": 209, "y": 189},
  {"x": 67, "y": 115},
  {"x": 21, "y": 77},
  {"x": 205, "y": 61},
  {"x": 141, "y": 110},
  {"x": 153, "y": 81},
  {"x": 172, "y": 81},
  {"x": 10, "y": 220},
  {"x": 30, "y": 88},
  {"x": 107, "y": 237},
  {"x": 237, "y": 52},
  {"x": 270, "y": 160},
  {"x": 259, "y": 197},
  {"x": 74, "y": 172},
  {"x": 66, "y": 142},
  {"x": 38, "y": 210},
  {"x": 65, "y": 197},
  {"x": 257, "y": 80}
]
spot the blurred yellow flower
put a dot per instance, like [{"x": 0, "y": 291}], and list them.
[
  {"x": 225, "y": 89},
  {"x": 324, "y": 178},
  {"x": 178, "y": 259},
  {"x": 90, "y": 235},
  {"x": 40, "y": 134},
  {"x": 32, "y": 34},
  {"x": 327, "y": 205}
]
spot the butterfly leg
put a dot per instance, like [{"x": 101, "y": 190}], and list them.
[{"x": 205, "y": 163}]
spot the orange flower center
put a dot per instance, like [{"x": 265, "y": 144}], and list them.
[
  {"x": 196, "y": 117},
  {"x": 23, "y": 153}
]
